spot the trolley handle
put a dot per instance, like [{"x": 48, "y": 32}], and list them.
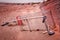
[{"x": 44, "y": 19}]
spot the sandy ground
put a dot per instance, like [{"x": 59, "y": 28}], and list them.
[{"x": 14, "y": 33}]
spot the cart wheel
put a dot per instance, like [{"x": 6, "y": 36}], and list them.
[
  {"x": 37, "y": 30},
  {"x": 51, "y": 33}
]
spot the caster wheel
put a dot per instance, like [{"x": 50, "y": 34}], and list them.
[
  {"x": 51, "y": 33},
  {"x": 37, "y": 30}
]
